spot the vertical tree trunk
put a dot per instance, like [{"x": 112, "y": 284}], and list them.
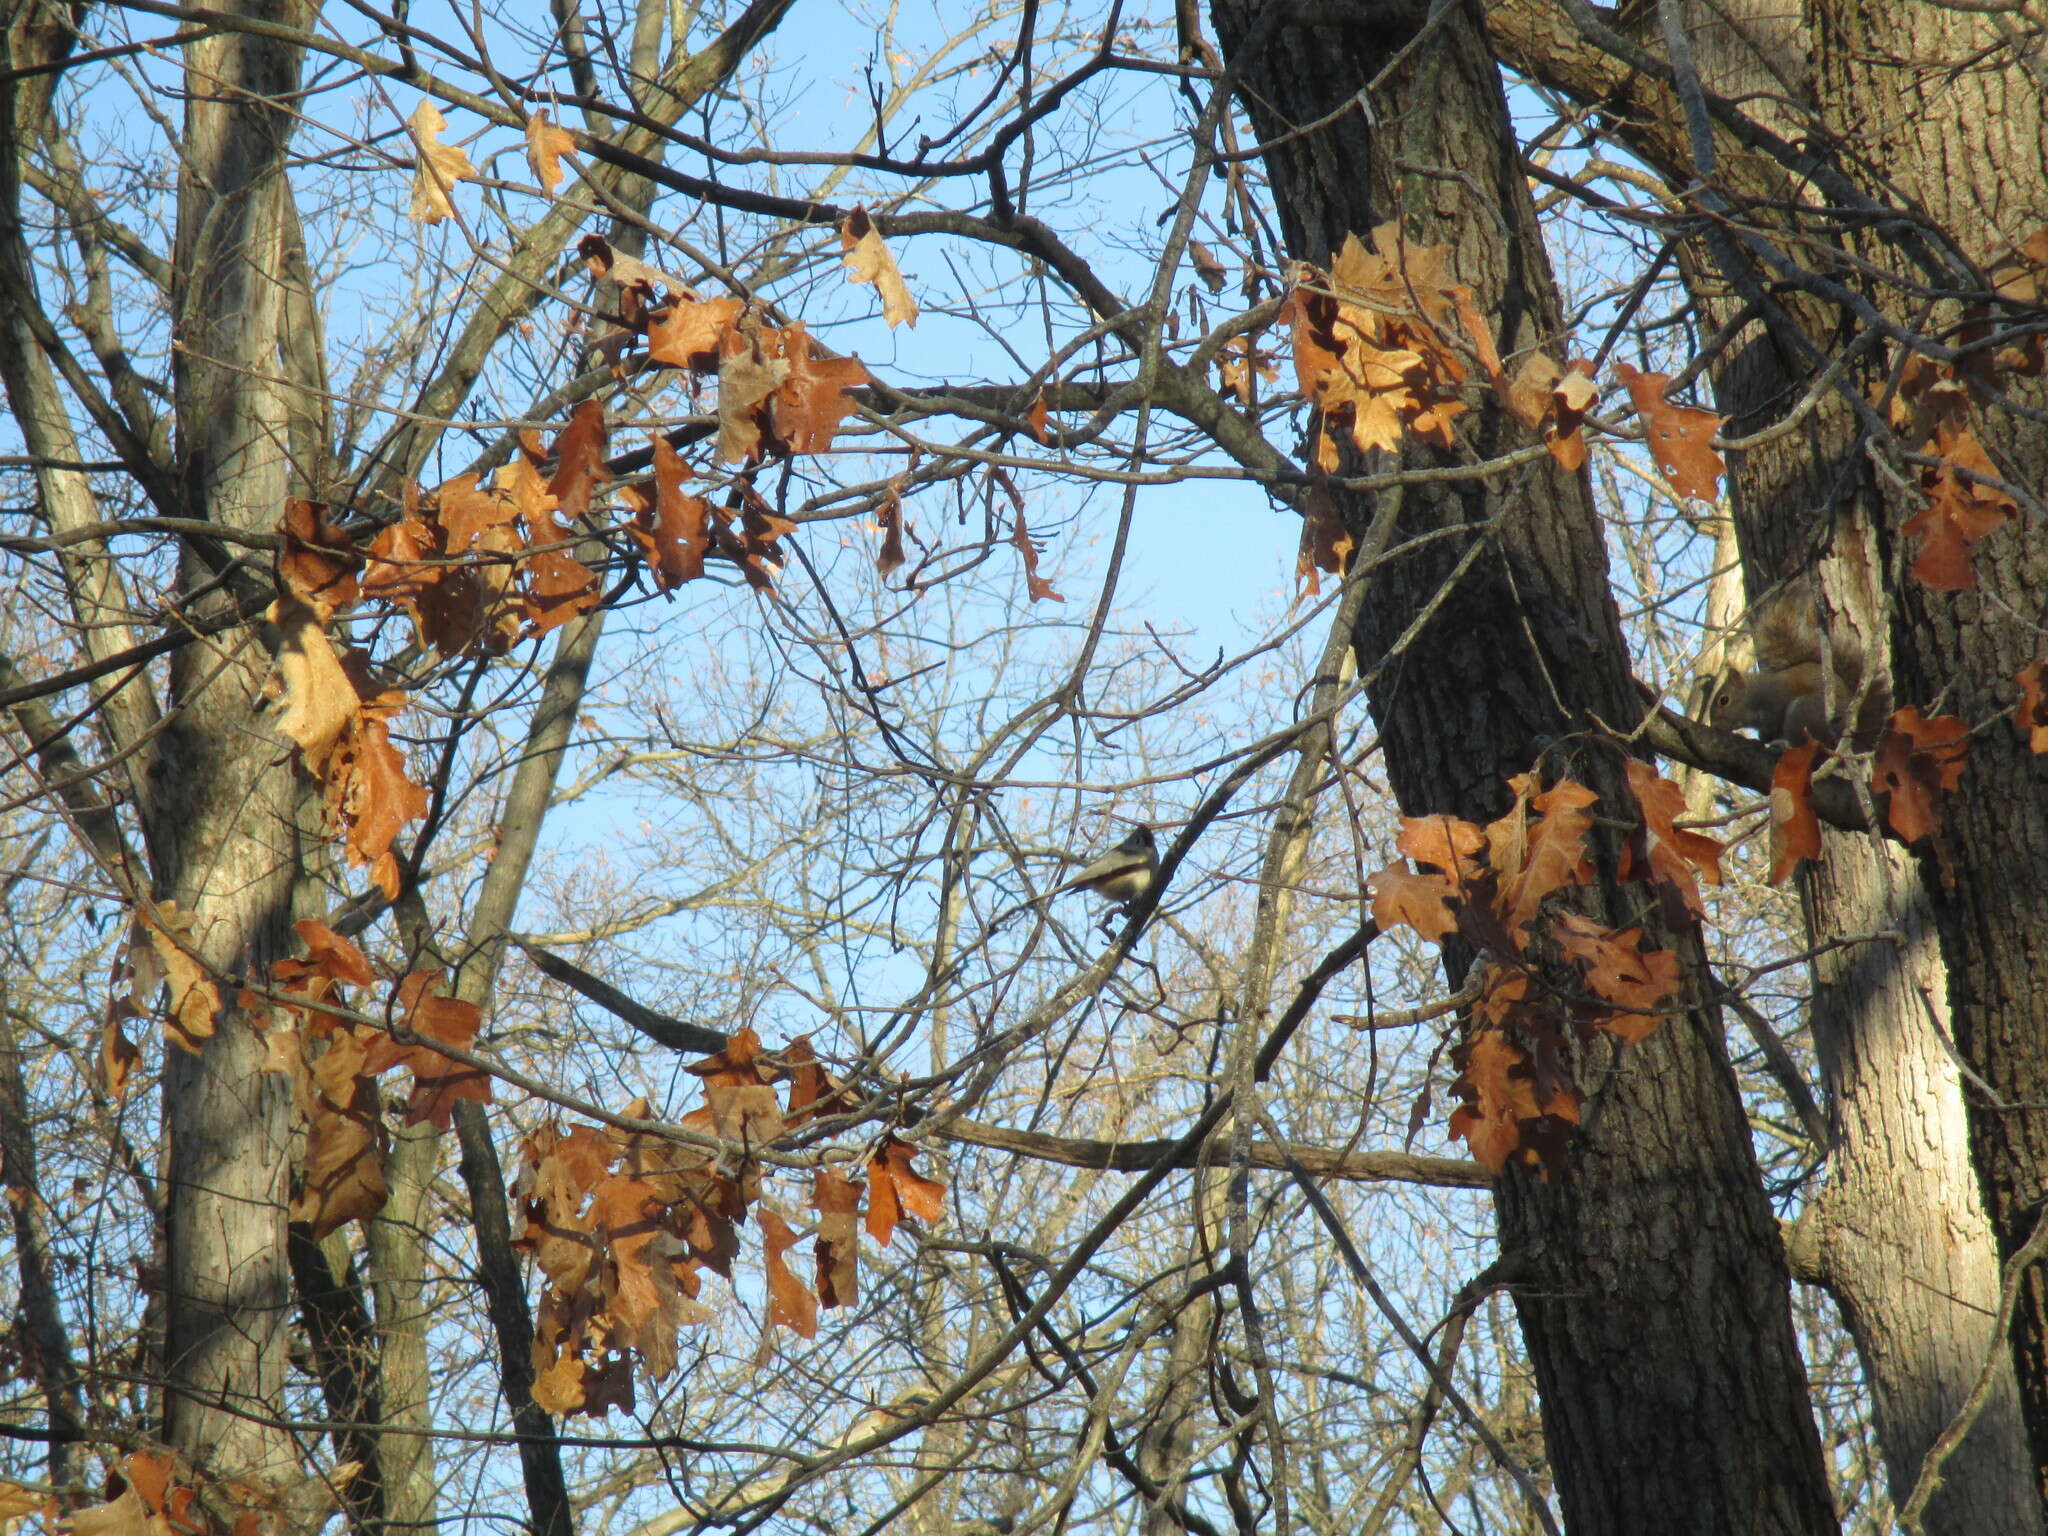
[
  {"x": 1898, "y": 1233},
  {"x": 1654, "y": 1300},
  {"x": 225, "y": 829},
  {"x": 1947, "y": 108}
]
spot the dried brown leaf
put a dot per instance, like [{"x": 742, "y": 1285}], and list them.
[
  {"x": 438, "y": 167},
  {"x": 868, "y": 260}
]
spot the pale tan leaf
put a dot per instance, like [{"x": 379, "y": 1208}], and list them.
[
  {"x": 870, "y": 261},
  {"x": 438, "y": 168},
  {"x": 320, "y": 703},
  {"x": 545, "y": 145}
]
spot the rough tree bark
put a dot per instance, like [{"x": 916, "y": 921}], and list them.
[
  {"x": 229, "y": 821},
  {"x": 1886, "y": 92},
  {"x": 1946, "y": 107},
  {"x": 1897, "y": 1234},
  {"x": 1653, "y": 1294}
]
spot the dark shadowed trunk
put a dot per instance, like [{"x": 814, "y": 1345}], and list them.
[
  {"x": 1652, "y": 1288},
  {"x": 1924, "y": 108}
]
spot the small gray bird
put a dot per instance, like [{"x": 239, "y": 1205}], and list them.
[{"x": 1124, "y": 873}]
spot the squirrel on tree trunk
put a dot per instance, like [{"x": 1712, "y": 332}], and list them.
[{"x": 1785, "y": 697}]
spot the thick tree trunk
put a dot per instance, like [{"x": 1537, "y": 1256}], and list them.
[
  {"x": 1900, "y": 1235},
  {"x": 228, "y": 822},
  {"x": 1943, "y": 105},
  {"x": 1897, "y": 1234},
  {"x": 1654, "y": 1296}
]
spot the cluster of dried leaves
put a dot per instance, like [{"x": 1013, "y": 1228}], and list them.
[
  {"x": 332, "y": 1060},
  {"x": 623, "y": 1223},
  {"x": 1933, "y": 411},
  {"x": 1382, "y": 347},
  {"x": 1383, "y": 344},
  {"x": 778, "y": 393},
  {"x": 1917, "y": 761},
  {"x": 155, "y": 1494},
  {"x": 476, "y": 569},
  {"x": 620, "y": 1222},
  {"x": 1549, "y": 978},
  {"x": 333, "y": 1063}
]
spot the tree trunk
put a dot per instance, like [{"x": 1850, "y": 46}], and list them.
[
  {"x": 1902, "y": 1241},
  {"x": 1653, "y": 1296},
  {"x": 1942, "y": 104},
  {"x": 227, "y": 826},
  {"x": 1898, "y": 1234}
]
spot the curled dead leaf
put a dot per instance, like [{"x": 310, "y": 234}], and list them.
[
  {"x": 438, "y": 167},
  {"x": 546, "y": 143},
  {"x": 868, "y": 260}
]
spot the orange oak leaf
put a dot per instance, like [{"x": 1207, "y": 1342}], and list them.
[
  {"x": 750, "y": 370},
  {"x": 341, "y": 1176},
  {"x": 2020, "y": 277},
  {"x": 118, "y": 1056},
  {"x": 760, "y": 557},
  {"x": 1241, "y": 365},
  {"x": 1570, "y": 399},
  {"x": 369, "y": 794},
  {"x": 1035, "y": 585},
  {"x": 739, "y": 1089},
  {"x": 1503, "y": 1117},
  {"x": 1452, "y": 854},
  {"x": 439, "y": 1081},
  {"x": 896, "y": 1189},
  {"x": 2030, "y": 716},
  {"x": 440, "y": 598},
  {"x": 1960, "y": 512},
  {"x": 813, "y": 1091},
  {"x": 330, "y": 955},
  {"x": 837, "y": 1201},
  {"x": 1664, "y": 854},
  {"x": 337, "y": 715},
  {"x": 1681, "y": 437},
  {"x": 145, "y": 1498},
  {"x": 689, "y": 334},
  {"x": 320, "y": 703},
  {"x": 1551, "y": 400},
  {"x": 811, "y": 401},
  {"x": 1373, "y": 344},
  {"x": 1036, "y": 418},
  {"x": 868, "y": 260},
  {"x": 1477, "y": 331},
  {"x": 790, "y": 1301},
  {"x": 579, "y": 461},
  {"x": 1638, "y": 983},
  {"x": 890, "y": 557},
  {"x": 164, "y": 949},
  {"x": 318, "y": 564},
  {"x": 1532, "y": 859},
  {"x": 1421, "y": 901},
  {"x": 1795, "y": 829},
  {"x": 545, "y": 145},
  {"x": 1527, "y": 394},
  {"x": 672, "y": 527},
  {"x": 438, "y": 167},
  {"x": 634, "y": 276},
  {"x": 1326, "y": 544},
  {"x": 1916, "y": 762}
]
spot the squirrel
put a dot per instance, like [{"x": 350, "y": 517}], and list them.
[{"x": 1784, "y": 697}]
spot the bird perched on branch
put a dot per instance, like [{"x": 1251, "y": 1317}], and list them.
[{"x": 1124, "y": 873}]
